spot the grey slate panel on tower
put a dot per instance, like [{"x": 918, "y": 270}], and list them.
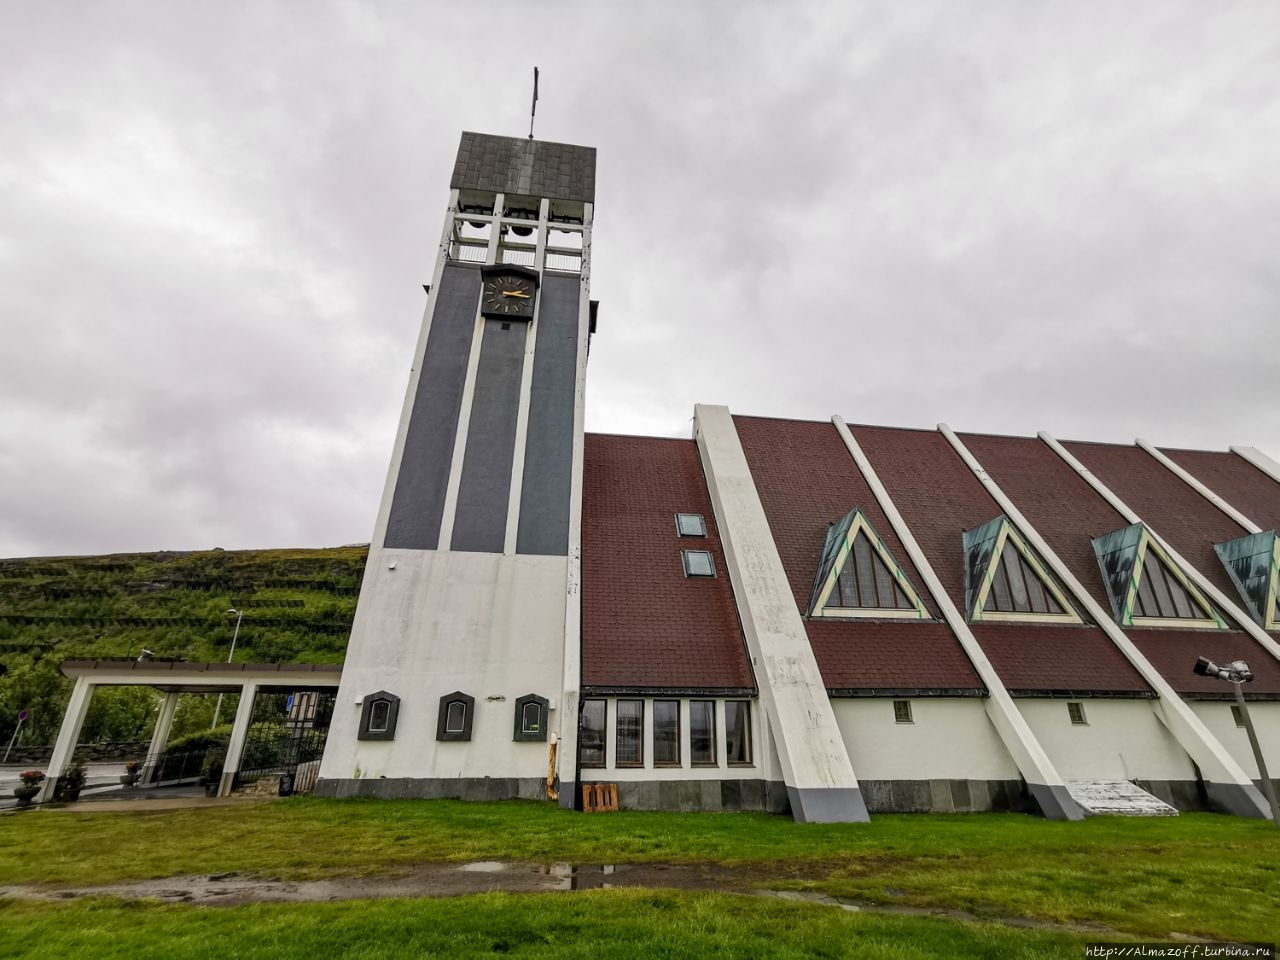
[
  {"x": 533, "y": 168},
  {"x": 548, "y": 457},
  {"x": 480, "y": 523},
  {"x": 418, "y": 503}
]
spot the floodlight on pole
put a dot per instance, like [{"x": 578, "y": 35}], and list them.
[
  {"x": 1237, "y": 673},
  {"x": 217, "y": 710}
]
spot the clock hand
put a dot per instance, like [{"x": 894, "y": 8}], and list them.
[{"x": 515, "y": 293}]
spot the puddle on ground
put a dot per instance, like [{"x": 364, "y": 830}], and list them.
[{"x": 485, "y": 876}]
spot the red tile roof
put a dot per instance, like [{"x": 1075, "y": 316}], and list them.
[
  {"x": 1235, "y": 480},
  {"x": 1174, "y": 653},
  {"x": 644, "y": 624},
  {"x": 806, "y": 480},
  {"x": 1166, "y": 503},
  {"x": 939, "y": 497}
]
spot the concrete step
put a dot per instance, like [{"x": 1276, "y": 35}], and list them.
[{"x": 1119, "y": 797}]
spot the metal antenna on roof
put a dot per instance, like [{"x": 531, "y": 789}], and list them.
[{"x": 533, "y": 108}]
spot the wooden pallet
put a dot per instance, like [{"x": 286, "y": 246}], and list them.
[{"x": 599, "y": 798}]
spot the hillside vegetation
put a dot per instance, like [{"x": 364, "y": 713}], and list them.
[{"x": 297, "y": 607}]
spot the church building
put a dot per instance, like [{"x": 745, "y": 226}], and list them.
[{"x": 815, "y": 618}]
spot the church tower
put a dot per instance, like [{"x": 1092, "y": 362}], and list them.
[{"x": 462, "y": 671}]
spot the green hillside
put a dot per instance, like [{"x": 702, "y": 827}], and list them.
[{"x": 297, "y": 607}]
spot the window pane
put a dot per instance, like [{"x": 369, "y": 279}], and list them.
[
  {"x": 1154, "y": 571},
  {"x": 691, "y": 525},
  {"x": 861, "y": 557},
  {"x": 698, "y": 563},
  {"x": 591, "y": 736},
  {"x": 902, "y": 711},
  {"x": 1145, "y": 605},
  {"x": 629, "y": 736},
  {"x": 531, "y": 718},
  {"x": 666, "y": 731},
  {"x": 1000, "y": 590},
  {"x": 455, "y": 718},
  {"x": 737, "y": 731},
  {"x": 1017, "y": 586},
  {"x": 702, "y": 731},
  {"x": 886, "y": 589},
  {"x": 378, "y": 716},
  {"x": 847, "y": 589}
]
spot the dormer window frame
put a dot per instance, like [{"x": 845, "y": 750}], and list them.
[
  {"x": 1264, "y": 609},
  {"x": 1008, "y": 534},
  {"x": 1145, "y": 546},
  {"x": 818, "y": 608}
]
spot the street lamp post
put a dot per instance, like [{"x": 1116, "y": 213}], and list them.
[
  {"x": 1238, "y": 674},
  {"x": 239, "y": 616}
]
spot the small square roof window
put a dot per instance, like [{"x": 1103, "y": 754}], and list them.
[
  {"x": 699, "y": 563},
  {"x": 691, "y": 525}
]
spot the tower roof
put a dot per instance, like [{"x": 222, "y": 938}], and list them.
[{"x": 535, "y": 168}]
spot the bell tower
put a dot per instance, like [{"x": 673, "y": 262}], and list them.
[{"x": 463, "y": 665}]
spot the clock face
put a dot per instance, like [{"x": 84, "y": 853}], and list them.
[{"x": 508, "y": 295}]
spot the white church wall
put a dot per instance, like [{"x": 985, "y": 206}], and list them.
[
  {"x": 1120, "y": 740},
  {"x": 428, "y": 627},
  {"x": 948, "y": 739},
  {"x": 1217, "y": 716}
]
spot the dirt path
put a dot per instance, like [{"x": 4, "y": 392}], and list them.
[{"x": 451, "y": 880}]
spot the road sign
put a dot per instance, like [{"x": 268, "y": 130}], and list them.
[{"x": 22, "y": 715}]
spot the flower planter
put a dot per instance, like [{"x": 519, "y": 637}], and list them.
[{"x": 26, "y": 793}]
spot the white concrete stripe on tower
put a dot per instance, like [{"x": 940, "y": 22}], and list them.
[
  {"x": 468, "y": 393},
  {"x": 815, "y": 762},
  {"x": 1216, "y": 764},
  {"x": 572, "y": 683},
  {"x": 1043, "y": 779},
  {"x": 1243, "y": 621},
  {"x": 1200, "y": 488},
  {"x": 1259, "y": 460},
  {"x": 526, "y": 388}
]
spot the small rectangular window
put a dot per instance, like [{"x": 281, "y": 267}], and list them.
[
  {"x": 591, "y": 737},
  {"x": 1076, "y": 712},
  {"x": 379, "y": 716},
  {"x": 531, "y": 718},
  {"x": 902, "y": 711},
  {"x": 702, "y": 732},
  {"x": 628, "y": 743},
  {"x": 691, "y": 525},
  {"x": 455, "y": 717},
  {"x": 1237, "y": 715},
  {"x": 737, "y": 732},
  {"x": 666, "y": 733},
  {"x": 699, "y": 563}
]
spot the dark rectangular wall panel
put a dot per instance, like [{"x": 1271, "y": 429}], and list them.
[
  {"x": 480, "y": 524},
  {"x": 417, "y": 505},
  {"x": 548, "y": 457}
]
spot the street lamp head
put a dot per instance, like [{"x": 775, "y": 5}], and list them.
[
  {"x": 1235, "y": 672},
  {"x": 233, "y": 610}
]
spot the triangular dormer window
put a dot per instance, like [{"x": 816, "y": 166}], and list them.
[
  {"x": 1253, "y": 563},
  {"x": 858, "y": 577},
  {"x": 1005, "y": 580},
  {"x": 1145, "y": 587}
]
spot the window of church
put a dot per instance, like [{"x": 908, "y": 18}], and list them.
[
  {"x": 591, "y": 733},
  {"x": 628, "y": 744},
  {"x": 1161, "y": 595},
  {"x": 699, "y": 563},
  {"x": 666, "y": 733},
  {"x": 865, "y": 581},
  {"x": 691, "y": 525},
  {"x": 702, "y": 733},
  {"x": 453, "y": 722},
  {"x": 531, "y": 718},
  {"x": 1015, "y": 587},
  {"x": 1076, "y": 712},
  {"x": 737, "y": 732},
  {"x": 378, "y": 714},
  {"x": 902, "y": 711}
]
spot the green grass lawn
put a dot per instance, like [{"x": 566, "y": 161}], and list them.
[
  {"x": 601, "y": 924},
  {"x": 1205, "y": 875}
]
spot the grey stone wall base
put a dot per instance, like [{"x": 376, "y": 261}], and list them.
[
  {"x": 434, "y": 788},
  {"x": 568, "y": 793},
  {"x": 1241, "y": 799},
  {"x": 828, "y": 805},
  {"x": 1055, "y": 802},
  {"x": 946, "y": 796}
]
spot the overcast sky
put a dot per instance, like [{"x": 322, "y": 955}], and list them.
[{"x": 216, "y": 218}]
